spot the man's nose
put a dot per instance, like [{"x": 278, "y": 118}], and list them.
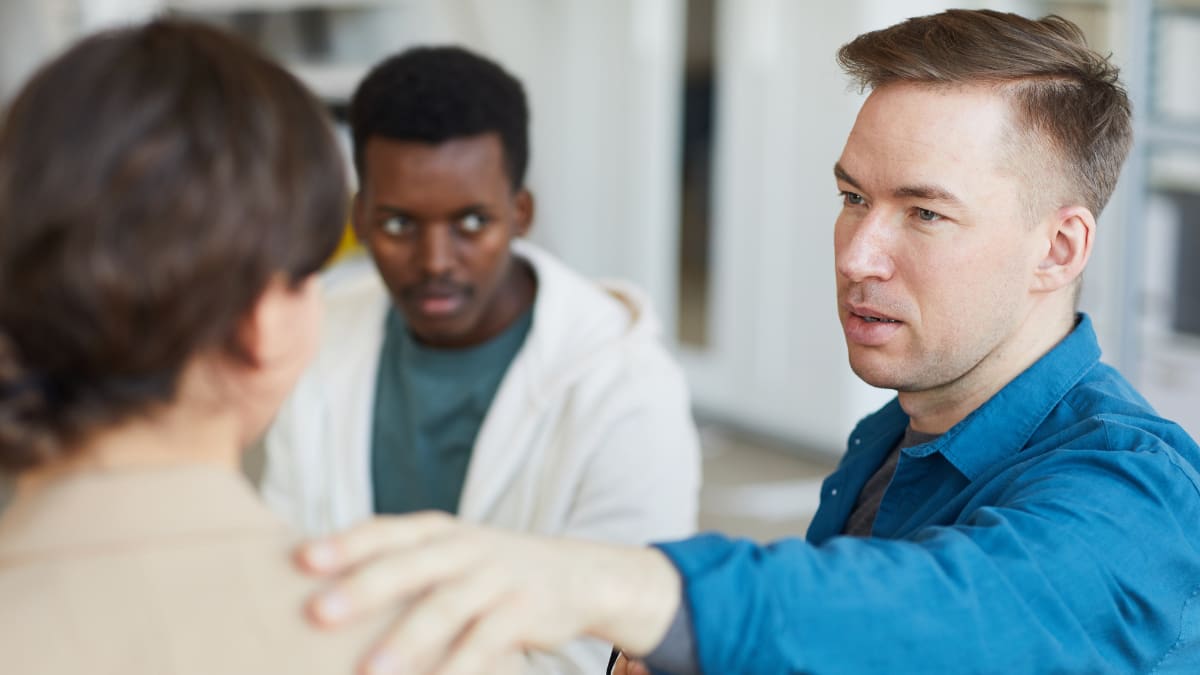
[
  {"x": 864, "y": 248},
  {"x": 436, "y": 250}
]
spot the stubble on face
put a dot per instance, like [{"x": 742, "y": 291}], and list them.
[{"x": 958, "y": 283}]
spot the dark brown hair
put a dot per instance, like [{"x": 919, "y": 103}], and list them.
[
  {"x": 1064, "y": 94},
  {"x": 153, "y": 180}
]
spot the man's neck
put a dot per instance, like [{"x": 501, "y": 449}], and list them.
[
  {"x": 934, "y": 411},
  {"x": 517, "y": 296}
]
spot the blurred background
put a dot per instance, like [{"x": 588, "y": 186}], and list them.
[{"x": 687, "y": 145}]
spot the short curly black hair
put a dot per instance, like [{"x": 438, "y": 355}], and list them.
[{"x": 436, "y": 94}]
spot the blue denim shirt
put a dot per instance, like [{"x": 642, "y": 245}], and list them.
[{"x": 1055, "y": 529}]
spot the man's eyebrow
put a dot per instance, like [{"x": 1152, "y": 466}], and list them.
[
  {"x": 928, "y": 192},
  {"x": 456, "y": 214},
  {"x": 840, "y": 174},
  {"x": 469, "y": 209},
  {"x": 384, "y": 208}
]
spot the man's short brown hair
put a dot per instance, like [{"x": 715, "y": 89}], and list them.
[{"x": 1064, "y": 94}]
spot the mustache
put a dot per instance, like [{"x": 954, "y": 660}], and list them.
[{"x": 872, "y": 295}]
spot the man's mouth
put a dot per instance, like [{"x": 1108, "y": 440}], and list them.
[
  {"x": 870, "y": 315},
  {"x": 868, "y": 328},
  {"x": 437, "y": 299}
]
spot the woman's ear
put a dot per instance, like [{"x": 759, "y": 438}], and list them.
[
  {"x": 277, "y": 338},
  {"x": 283, "y": 323},
  {"x": 1070, "y": 235}
]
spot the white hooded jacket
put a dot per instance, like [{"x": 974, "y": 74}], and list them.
[{"x": 590, "y": 434}]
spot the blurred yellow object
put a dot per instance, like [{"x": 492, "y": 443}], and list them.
[{"x": 347, "y": 247}]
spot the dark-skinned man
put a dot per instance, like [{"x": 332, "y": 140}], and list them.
[{"x": 466, "y": 370}]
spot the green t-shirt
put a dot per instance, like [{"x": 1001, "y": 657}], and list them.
[{"x": 429, "y": 405}]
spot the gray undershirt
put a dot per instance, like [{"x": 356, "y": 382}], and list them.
[
  {"x": 862, "y": 518},
  {"x": 676, "y": 654}
]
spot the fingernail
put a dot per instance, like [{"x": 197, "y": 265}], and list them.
[
  {"x": 333, "y": 606},
  {"x": 382, "y": 663},
  {"x": 320, "y": 556}
]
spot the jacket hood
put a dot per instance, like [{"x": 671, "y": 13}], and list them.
[{"x": 605, "y": 318}]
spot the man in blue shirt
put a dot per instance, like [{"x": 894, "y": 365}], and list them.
[{"x": 1017, "y": 508}]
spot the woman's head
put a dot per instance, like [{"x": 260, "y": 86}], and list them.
[{"x": 155, "y": 181}]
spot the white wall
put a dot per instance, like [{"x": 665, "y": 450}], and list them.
[{"x": 29, "y": 30}]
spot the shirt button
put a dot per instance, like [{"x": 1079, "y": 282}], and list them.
[
  {"x": 857, "y": 441},
  {"x": 833, "y": 492}
]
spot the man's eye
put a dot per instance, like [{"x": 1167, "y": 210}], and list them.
[
  {"x": 472, "y": 223},
  {"x": 396, "y": 225},
  {"x": 927, "y": 215},
  {"x": 852, "y": 198}
]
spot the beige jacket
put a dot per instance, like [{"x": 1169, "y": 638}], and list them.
[{"x": 160, "y": 571}]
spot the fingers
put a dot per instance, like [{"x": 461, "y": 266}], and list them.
[
  {"x": 485, "y": 643},
  {"x": 626, "y": 666},
  {"x": 339, "y": 552},
  {"x": 394, "y": 576},
  {"x": 419, "y": 642},
  {"x": 478, "y": 595}
]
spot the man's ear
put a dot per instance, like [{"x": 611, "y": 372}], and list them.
[
  {"x": 524, "y": 205},
  {"x": 1070, "y": 235}
]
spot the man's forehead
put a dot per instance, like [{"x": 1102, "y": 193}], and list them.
[
  {"x": 478, "y": 150},
  {"x": 924, "y": 112},
  {"x": 916, "y": 135},
  {"x": 471, "y": 164}
]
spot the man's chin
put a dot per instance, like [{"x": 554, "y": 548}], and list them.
[
  {"x": 439, "y": 331},
  {"x": 878, "y": 375}
]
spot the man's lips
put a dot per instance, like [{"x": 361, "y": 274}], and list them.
[
  {"x": 872, "y": 316},
  {"x": 869, "y": 327},
  {"x": 436, "y": 301}
]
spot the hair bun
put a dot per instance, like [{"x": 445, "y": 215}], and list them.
[{"x": 26, "y": 436}]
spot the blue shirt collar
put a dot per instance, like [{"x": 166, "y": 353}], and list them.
[
  {"x": 996, "y": 430},
  {"x": 1003, "y": 425}
]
